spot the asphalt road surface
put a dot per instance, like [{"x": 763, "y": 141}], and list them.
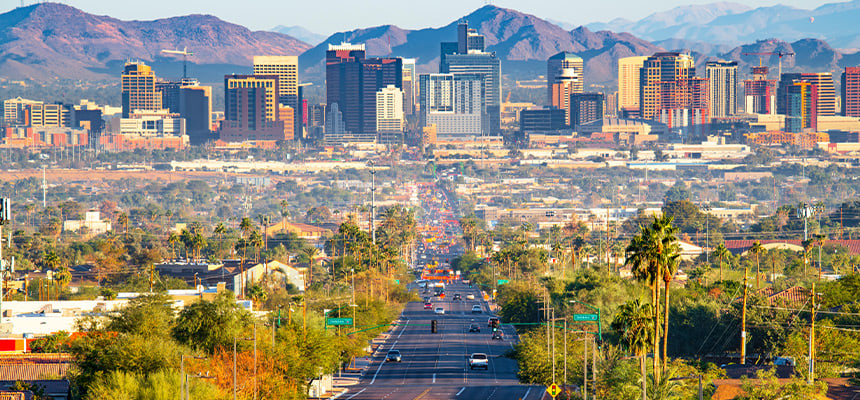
[{"x": 436, "y": 366}]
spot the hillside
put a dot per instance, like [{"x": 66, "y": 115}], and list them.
[{"x": 50, "y": 40}]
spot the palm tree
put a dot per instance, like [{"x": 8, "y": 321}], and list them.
[
  {"x": 63, "y": 276},
  {"x": 52, "y": 262},
  {"x": 220, "y": 230},
  {"x": 642, "y": 256},
  {"x": 819, "y": 241},
  {"x": 257, "y": 241},
  {"x": 173, "y": 238},
  {"x": 756, "y": 250},
  {"x": 719, "y": 252},
  {"x": 311, "y": 252},
  {"x": 246, "y": 226},
  {"x": 123, "y": 220},
  {"x": 198, "y": 242},
  {"x": 633, "y": 322},
  {"x": 285, "y": 212},
  {"x": 669, "y": 258},
  {"x": 808, "y": 245},
  {"x": 577, "y": 245}
]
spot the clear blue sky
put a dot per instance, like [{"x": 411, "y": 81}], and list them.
[{"x": 329, "y": 16}]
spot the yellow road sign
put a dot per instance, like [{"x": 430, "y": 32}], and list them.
[{"x": 553, "y": 390}]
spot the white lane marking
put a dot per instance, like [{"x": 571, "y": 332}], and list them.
[
  {"x": 526, "y": 396},
  {"x": 404, "y": 329},
  {"x": 434, "y": 378},
  {"x": 359, "y": 392},
  {"x": 461, "y": 391},
  {"x": 381, "y": 364}
]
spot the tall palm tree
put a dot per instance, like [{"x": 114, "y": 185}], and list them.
[
  {"x": 246, "y": 226},
  {"x": 808, "y": 245},
  {"x": 669, "y": 258},
  {"x": 311, "y": 252},
  {"x": 819, "y": 241},
  {"x": 123, "y": 220},
  {"x": 756, "y": 250},
  {"x": 720, "y": 252},
  {"x": 220, "y": 230},
  {"x": 173, "y": 239},
  {"x": 633, "y": 322},
  {"x": 198, "y": 242},
  {"x": 642, "y": 257},
  {"x": 257, "y": 241}
]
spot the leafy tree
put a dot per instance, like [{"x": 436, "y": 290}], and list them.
[
  {"x": 766, "y": 386},
  {"x": 207, "y": 325}
]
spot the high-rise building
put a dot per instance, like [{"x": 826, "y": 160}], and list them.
[
  {"x": 453, "y": 103},
  {"x": 683, "y": 103},
  {"x": 410, "y": 86},
  {"x": 542, "y": 120},
  {"x": 353, "y": 80},
  {"x": 585, "y": 107},
  {"x": 251, "y": 110},
  {"x": 759, "y": 93},
  {"x": 801, "y": 108},
  {"x": 851, "y": 92},
  {"x": 610, "y": 105},
  {"x": 628, "y": 83},
  {"x": 193, "y": 103},
  {"x": 565, "y": 67},
  {"x": 14, "y": 111},
  {"x": 138, "y": 89},
  {"x": 823, "y": 81},
  {"x": 661, "y": 67},
  {"x": 468, "y": 40},
  {"x": 48, "y": 115},
  {"x": 560, "y": 98},
  {"x": 286, "y": 68},
  {"x": 287, "y": 115},
  {"x": 389, "y": 113},
  {"x": 475, "y": 61},
  {"x": 722, "y": 88}
]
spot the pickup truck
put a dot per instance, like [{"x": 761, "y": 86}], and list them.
[{"x": 479, "y": 360}]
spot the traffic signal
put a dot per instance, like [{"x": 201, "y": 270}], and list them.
[
  {"x": 433, "y": 326},
  {"x": 5, "y": 210}
]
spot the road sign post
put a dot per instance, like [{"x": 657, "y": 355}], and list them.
[
  {"x": 502, "y": 281},
  {"x": 553, "y": 390}
]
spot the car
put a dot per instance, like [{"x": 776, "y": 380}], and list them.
[
  {"x": 393, "y": 355},
  {"x": 457, "y": 297},
  {"x": 426, "y": 299},
  {"x": 470, "y": 297},
  {"x": 493, "y": 322},
  {"x": 440, "y": 310},
  {"x": 476, "y": 309},
  {"x": 498, "y": 335},
  {"x": 479, "y": 360},
  {"x": 474, "y": 328},
  {"x": 428, "y": 306}
]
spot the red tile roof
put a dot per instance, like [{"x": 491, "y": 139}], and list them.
[{"x": 739, "y": 246}]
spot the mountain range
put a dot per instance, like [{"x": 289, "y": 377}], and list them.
[
  {"x": 735, "y": 24},
  {"x": 49, "y": 41}
]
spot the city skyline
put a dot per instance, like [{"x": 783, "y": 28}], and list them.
[{"x": 387, "y": 12}]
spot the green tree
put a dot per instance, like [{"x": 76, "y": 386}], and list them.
[
  {"x": 207, "y": 325},
  {"x": 756, "y": 250},
  {"x": 633, "y": 322},
  {"x": 721, "y": 252}
]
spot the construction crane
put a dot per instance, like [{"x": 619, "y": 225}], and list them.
[
  {"x": 771, "y": 53},
  {"x": 184, "y": 53}
]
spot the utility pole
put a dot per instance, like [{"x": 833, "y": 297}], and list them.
[
  {"x": 811, "y": 377},
  {"x": 372, "y": 202},
  {"x": 585, "y": 366},
  {"x": 744, "y": 323}
]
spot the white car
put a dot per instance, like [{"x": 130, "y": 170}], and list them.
[
  {"x": 479, "y": 360},
  {"x": 476, "y": 309},
  {"x": 470, "y": 297},
  {"x": 440, "y": 310}
]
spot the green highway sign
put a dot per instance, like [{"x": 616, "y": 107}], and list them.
[
  {"x": 503, "y": 281},
  {"x": 397, "y": 281},
  {"x": 585, "y": 317},
  {"x": 338, "y": 321}
]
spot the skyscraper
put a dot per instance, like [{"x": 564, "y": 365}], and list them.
[
  {"x": 565, "y": 67},
  {"x": 138, "y": 89},
  {"x": 826, "y": 102},
  {"x": 560, "y": 98},
  {"x": 452, "y": 102},
  {"x": 251, "y": 110},
  {"x": 851, "y": 92},
  {"x": 475, "y": 61},
  {"x": 286, "y": 68},
  {"x": 628, "y": 84},
  {"x": 389, "y": 114},
  {"x": 410, "y": 85},
  {"x": 193, "y": 103},
  {"x": 682, "y": 103},
  {"x": 353, "y": 80},
  {"x": 585, "y": 107},
  {"x": 661, "y": 67},
  {"x": 759, "y": 93},
  {"x": 722, "y": 88},
  {"x": 801, "y": 108}
]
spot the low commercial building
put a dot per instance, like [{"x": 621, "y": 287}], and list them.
[{"x": 91, "y": 224}]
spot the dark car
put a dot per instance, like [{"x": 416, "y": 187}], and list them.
[
  {"x": 498, "y": 335},
  {"x": 474, "y": 328},
  {"x": 393, "y": 355},
  {"x": 457, "y": 296}
]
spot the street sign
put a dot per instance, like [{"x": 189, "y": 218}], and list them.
[
  {"x": 397, "y": 281},
  {"x": 553, "y": 390},
  {"x": 503, "y": 281},
  {"x": 585, "y": 317},
  {"x": 338, "y": 321}
]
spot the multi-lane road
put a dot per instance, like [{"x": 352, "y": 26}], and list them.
[{"x": 435, "y": 365}]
